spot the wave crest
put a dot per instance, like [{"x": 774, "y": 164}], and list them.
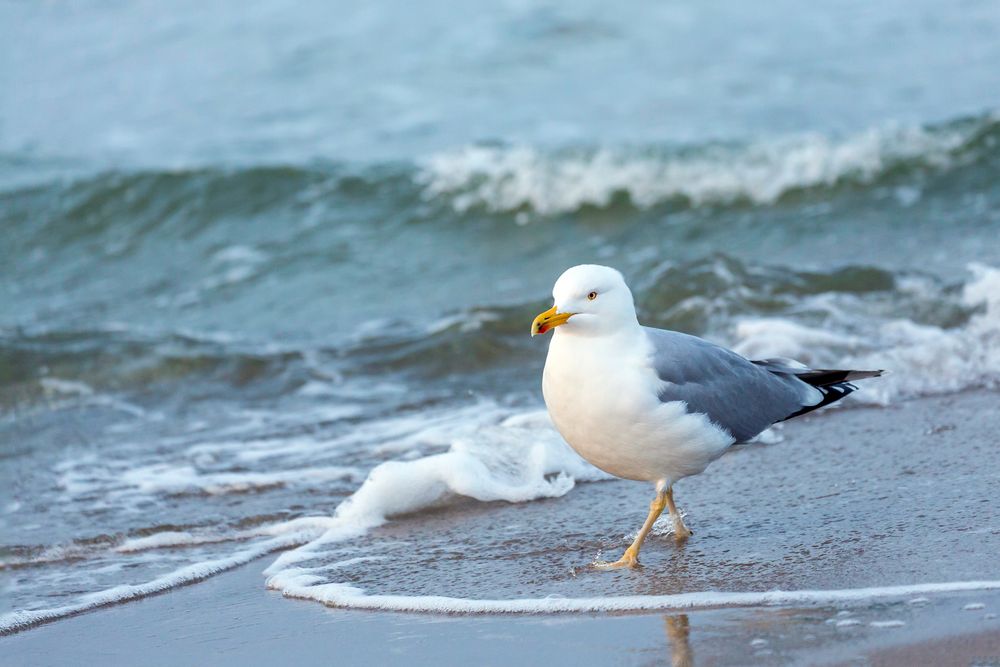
[{"x": 523, "y": 178}]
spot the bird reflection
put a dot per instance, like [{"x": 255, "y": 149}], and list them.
[{"x": 678, "y": 636}]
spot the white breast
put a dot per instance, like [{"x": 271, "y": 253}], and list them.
[{"x": 601, "y": 393}]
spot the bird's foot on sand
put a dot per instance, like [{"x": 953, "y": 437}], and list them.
[{"x": 629, "y": 559}]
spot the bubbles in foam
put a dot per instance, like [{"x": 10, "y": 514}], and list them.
[{"x": 520, "y": 459}]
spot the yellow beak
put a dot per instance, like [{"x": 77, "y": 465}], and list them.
[{"x": 550, "y": 319}]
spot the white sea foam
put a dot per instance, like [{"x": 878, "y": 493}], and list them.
[
  {"x": 303, "y": 585},
  {"x": 173, "y": 538},
  {"x": 70, "y": 387},
  {"x": 165, "y": 478},
  {"x": 520, "y": 458},
  {"x": 927, "y": 359},
  {"x": 114, "y": 480},
  {"x": 73, "y": 392},
  {"x": 464, "y": 321},
  {"x": 314, "y": 388},
  {"x": 521, "y": 177},
  {"x": 169, "y": 539},
  {"x": 18, "y": 620},
  {"x": 239, "y": 254},
  {"x": 403, "y": 434},
  {"x": 287, "y": 449}
]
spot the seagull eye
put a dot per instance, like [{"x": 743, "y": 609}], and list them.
[{"x": 592, "y": 296}]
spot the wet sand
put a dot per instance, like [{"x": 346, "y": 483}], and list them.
[
  {"x": 852, "y": 498},
  {"x": 231, "y": 620}
]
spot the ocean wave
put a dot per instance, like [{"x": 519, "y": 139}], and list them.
[
  {"x": 942, "y": 334},
  {"x": 504, "y": 179},
  {"x": 923, "y": 359},
  {"x": 132, "y": 359},
  {"x": 523, "y": 179}
]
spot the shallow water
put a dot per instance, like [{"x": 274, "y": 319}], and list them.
[
  {"x": 215, "y": 325},
  {"x": 228, "y": 619}
]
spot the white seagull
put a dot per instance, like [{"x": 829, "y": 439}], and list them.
[{"x": 655, "y": 405}]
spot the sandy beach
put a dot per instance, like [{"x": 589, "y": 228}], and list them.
[{"x": 850, "y": 499}]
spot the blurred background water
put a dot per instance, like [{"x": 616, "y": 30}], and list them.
[{"x": 251, "y": 250}]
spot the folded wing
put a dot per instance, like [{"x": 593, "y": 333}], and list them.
[{"x": 744, "y": 397}]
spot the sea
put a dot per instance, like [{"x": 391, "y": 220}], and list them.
[{"x": 267, "y": 269}]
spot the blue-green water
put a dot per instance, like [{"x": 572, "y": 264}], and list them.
[{"x": 249, "y": 252}]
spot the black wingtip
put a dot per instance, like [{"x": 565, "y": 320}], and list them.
[
  {"x": 831, "y": 394},
  {"x": 817, "y": 377},
  {"x": 824, "y": 377},
  {"x": 861, "y": 375}
]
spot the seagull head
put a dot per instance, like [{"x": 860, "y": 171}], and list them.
[{"x": 589, "y": 300}]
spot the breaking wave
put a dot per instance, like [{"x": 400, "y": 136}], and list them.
[
  {"x": 524, "y": 178},
  {"x": 530, "y": 180}
]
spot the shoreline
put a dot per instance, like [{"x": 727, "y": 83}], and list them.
[
  {"x": 232, "y": 620},
  {"x": 809, "y": 528}
]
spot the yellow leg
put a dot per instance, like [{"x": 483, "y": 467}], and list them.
[
  {"x": 681, "y": 532},
  {"x": 631, "y": 556}
]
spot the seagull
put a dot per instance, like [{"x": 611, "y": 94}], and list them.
[{"x": 654, "y": 405}]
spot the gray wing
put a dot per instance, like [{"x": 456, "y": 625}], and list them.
[{"x": 735, "y": 393}]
